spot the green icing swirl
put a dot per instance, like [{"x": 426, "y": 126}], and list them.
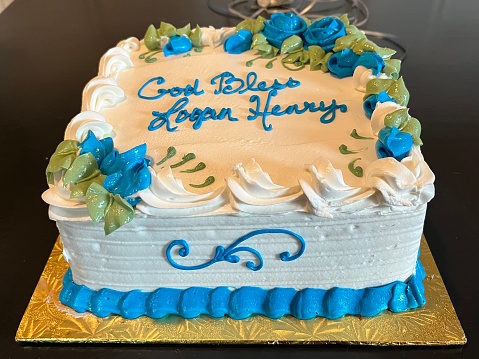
[
  {"x": 394, "y": 88},
  {"x": 405, "y": 123},
  {"x": 358, "y": 170},
  {"x": 186, "y": 158},
  {"x": 170, "y": 152},
  {"x": 354, "y": 134},
  {"x": 200, "y": 166},
  {"x": 207, "y": 182},
  {"x": 344, "y": 150}
]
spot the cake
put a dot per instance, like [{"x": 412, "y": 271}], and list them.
[{"x": 268, "y": 169}]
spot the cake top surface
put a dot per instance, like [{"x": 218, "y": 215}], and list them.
[{"x": 269, "y": 117}]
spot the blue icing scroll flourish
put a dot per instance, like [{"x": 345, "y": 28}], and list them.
[
  {"x": 244, "y": 302},
  {"x": 228, "y": 254}
]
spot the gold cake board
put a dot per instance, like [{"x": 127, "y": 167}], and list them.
[{"x": 47, "y": 320}]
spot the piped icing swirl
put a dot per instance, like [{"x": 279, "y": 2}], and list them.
[{"x": 253, "y": 191}]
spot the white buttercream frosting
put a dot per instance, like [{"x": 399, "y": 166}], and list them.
[{"x": 304, "y": 169}]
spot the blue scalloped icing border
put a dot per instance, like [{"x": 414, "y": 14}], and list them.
[{"x": 244, "y": 302}]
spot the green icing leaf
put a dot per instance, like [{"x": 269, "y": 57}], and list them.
[
  {"x": 258, "y": 39},
  {"x": 185, "y": 30},
  {"x": 246, "y": 24},
  {"x": 83, "y": 167},
  {"x": 404, "y": 122},
  {"x": 375, "y": 86},
  {"x": 119, "y": 213},
  {"x": 316, "y": 53},
  {"x": 258, "y": 24},
  {"x": 306, "y": 20},
  {"x": 114, "y": 209},
  {"x": 396, "y": 118},
  {"x": 62, "y": 158},
  {"x": 399, "y": 92},
  {"x": 323, "y": 63},
  {"x": 166, "y": 30},
  {"x": 255, "y": 26},
  {"x": 291, "y": 44},
  {"x": 195, "y": 37},
  {"x": 414, "y": 128},
  {"x": 392, "y": 68},
  {"x": 151, "y": 39},
  {"x": 97, "y": 201},
  {"x": 351, "y": 29},
  {"x": 81, "y": 188},
  {"x": 344, "y": 18},
  {"x": 348, "y": 41}
]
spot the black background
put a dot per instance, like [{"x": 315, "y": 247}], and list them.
[{"x": 50, "y": 49}]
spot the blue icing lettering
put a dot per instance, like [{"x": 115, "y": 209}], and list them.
[
  {"x": 197, "y": 116},
  {"x": 187, "y": 91},
  {"x": 229, "y": 84},
  {"x": 328, "y": 116}
]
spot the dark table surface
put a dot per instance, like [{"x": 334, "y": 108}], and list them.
[{"x": 50, "y": 49}]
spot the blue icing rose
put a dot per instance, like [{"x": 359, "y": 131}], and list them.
[
  {"x": 341, "y": 64},
  {"x": 393, "y": 143},
  {"x": 115, "y": 161},
  {"x": 239, "y": 42},
  {"x": 281, "y": 26},
  {"x": 370, "y": 103},
  {"x": 132, "y": 177},
  {"x": 98, "y": 148},
  {"x": 325, "y": 32},
  {"x": 372, "y": 61},
  {"x": 177, "y": 45}
]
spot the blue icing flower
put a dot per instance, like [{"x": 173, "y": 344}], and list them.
[
  {"x": 325, "y": 32},
  {"x": 132, "y": 177},
  {"x": 341, "y": 64},
  {"x": 371, "y": 101},
  {"x": 239, "y": 42},
  {"x": 115, "y": 161},
  {"x": 177, "y": 45},
  {"x": 393, "y": 143},
  {"x": 372, "y": 61},
  {"x": 98, "y": 148},
  {"x": 281, "y": 26}
]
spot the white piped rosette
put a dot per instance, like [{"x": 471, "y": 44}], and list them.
[
  {"x": 215, "y": 37},
  {"x": 402, "y": 184},
  {"x": 102, "y": 92},
  {"x": 253, "y": 191},
  {"x": 166, "y": 196},
  {"x": 327, "y": 192}
]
